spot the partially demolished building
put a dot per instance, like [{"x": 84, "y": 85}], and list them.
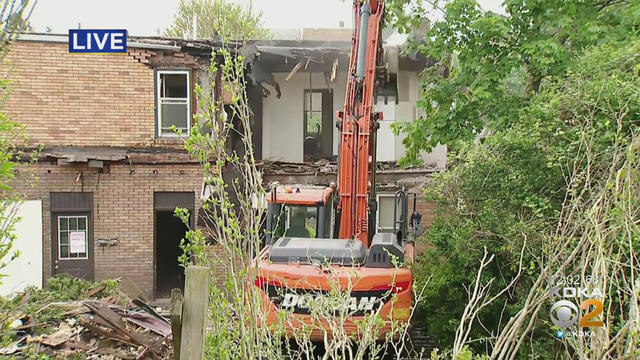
[{"x": 111, "y": 171}]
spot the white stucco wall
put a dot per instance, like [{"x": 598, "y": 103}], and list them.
[
  {"x": 26, "y": 269},
  {"x": 283, "y": 118},
  {"x": 406, "y": 110}
]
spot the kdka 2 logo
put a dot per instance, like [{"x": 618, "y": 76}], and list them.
[{"x": 567, "y": 312}]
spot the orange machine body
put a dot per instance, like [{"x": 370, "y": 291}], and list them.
[
  {"x": 356, "y": 169},
  {"x": 390, "y": 287},
  {"x": 345, "y": 216}
]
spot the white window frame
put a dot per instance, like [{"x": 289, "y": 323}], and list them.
[
  {"x": 159, "y": 99},
  {"x": 86, "y": 236},
  {"x": 378, "y": 196}
]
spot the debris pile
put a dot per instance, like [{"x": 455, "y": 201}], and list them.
[
  {"x": 283, "y": 167},
  {"x": 320, "y": 167},
  {"x": 110, "y": 320}
]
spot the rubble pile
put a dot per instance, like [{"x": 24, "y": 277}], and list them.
[
  {"x": 319, "y": 167},
  {"x": 110, "y": 320},
  {"x": 283, "y": 167}
]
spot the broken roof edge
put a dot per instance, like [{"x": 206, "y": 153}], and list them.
[
  {"x": 143, "y": 42},
  {"x": 113, "y": 154},
  {"x": 64, "y": 39},
  {"x": 303, "y": 44}
]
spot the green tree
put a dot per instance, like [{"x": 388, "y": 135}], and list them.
[
  {"x": 512, "y": 188},
  {"x": 553, "y": 88},
  {"x": 214, "y": 18},
  {"x": 490, "y": 65},
  {"x": 13, "y": 19}
]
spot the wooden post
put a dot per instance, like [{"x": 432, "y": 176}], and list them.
[
  {"x": 176, "y": 321},
  {"x": 194, "y": 313}
]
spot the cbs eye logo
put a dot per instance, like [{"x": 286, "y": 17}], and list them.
[{"x": 565, "y": 314}]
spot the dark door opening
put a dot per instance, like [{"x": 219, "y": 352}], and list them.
[
  {"x": 169, "y": 274},
  {"x": 169, "y": 231}
]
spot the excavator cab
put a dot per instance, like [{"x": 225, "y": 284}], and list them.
[
  {"x": 300, "y": 211},
  {"x": 302, "y": 245}
]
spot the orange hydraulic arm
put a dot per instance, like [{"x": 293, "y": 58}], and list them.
[{"x": 356, "y": 170}]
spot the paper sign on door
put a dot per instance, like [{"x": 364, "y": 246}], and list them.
[{"x": 77, "y": 242}]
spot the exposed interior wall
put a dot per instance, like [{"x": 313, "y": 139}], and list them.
[
  {"x": 283, "y": 119},
  {"x": 406, "y": 110}
]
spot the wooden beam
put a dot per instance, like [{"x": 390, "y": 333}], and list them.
[
  {"x": 176, "y": 320},
  {"x": 334, "y": 70},
  {"x": 294, "y": 70},
  {"x": 194, "y": 312}
]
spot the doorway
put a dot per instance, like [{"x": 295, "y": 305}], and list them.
[
  {"x": 72, "y": 234},
  {"x": 318, "y": 124},
  {"x": 169, "y": 231}
]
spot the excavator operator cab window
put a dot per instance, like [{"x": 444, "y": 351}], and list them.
[
  {"x": 297, "y": 221},
  {"x": 301, "y": 221}
]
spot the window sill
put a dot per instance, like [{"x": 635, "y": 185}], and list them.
[{"x": 170, "y": 140}]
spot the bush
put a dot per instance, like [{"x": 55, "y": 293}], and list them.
[{"x": 512, "y": 186}]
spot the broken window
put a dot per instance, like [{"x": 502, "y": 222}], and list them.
[{"x": 174, "y": 102}]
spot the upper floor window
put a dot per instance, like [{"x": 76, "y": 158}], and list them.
[{"x": 173, "y": 102}]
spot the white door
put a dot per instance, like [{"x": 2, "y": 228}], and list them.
[{"x": 26, "y": 269}]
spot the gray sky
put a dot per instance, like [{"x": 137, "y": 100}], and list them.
[{"x": 148, "y": 17}]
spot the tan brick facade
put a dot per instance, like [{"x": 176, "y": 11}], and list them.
[
  {"x": 428, "y": 211},
  {"x": 123, "y": 208},
  {"x": 71, "y": 101},
  {"x": 81, "y": 99}
]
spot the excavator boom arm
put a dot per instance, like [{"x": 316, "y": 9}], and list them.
[{"x": 356, "y": 169}]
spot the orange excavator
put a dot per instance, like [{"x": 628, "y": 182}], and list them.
[{"x": 314, "y": 231}]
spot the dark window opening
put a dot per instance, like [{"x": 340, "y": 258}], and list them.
[{"x": 318, "y": 130}]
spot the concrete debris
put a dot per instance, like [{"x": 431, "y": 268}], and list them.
[
  {"x": 328, "y": 167},
  {"x": 308, "y": 168},
  {"x": 389, "y": 177}
]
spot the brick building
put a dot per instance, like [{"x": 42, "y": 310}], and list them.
[{"x": 111, "y": 171}]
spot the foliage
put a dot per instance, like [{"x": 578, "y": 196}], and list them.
[
  {"x": 216, "y": 17},
  {"x": 489, "y": 66},
  {"x": 540, "y": 177},
  {"x": 13, "y": 19},
  {"x": 496, "y": 195}
]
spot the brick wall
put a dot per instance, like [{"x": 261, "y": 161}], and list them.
[
  {"x": 81, "y": 99},
  {"x": 122, "y": 207},
  {"x": 427, "y": 209}
]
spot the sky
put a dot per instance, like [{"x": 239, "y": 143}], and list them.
[{"x": 151, "y": 17}]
